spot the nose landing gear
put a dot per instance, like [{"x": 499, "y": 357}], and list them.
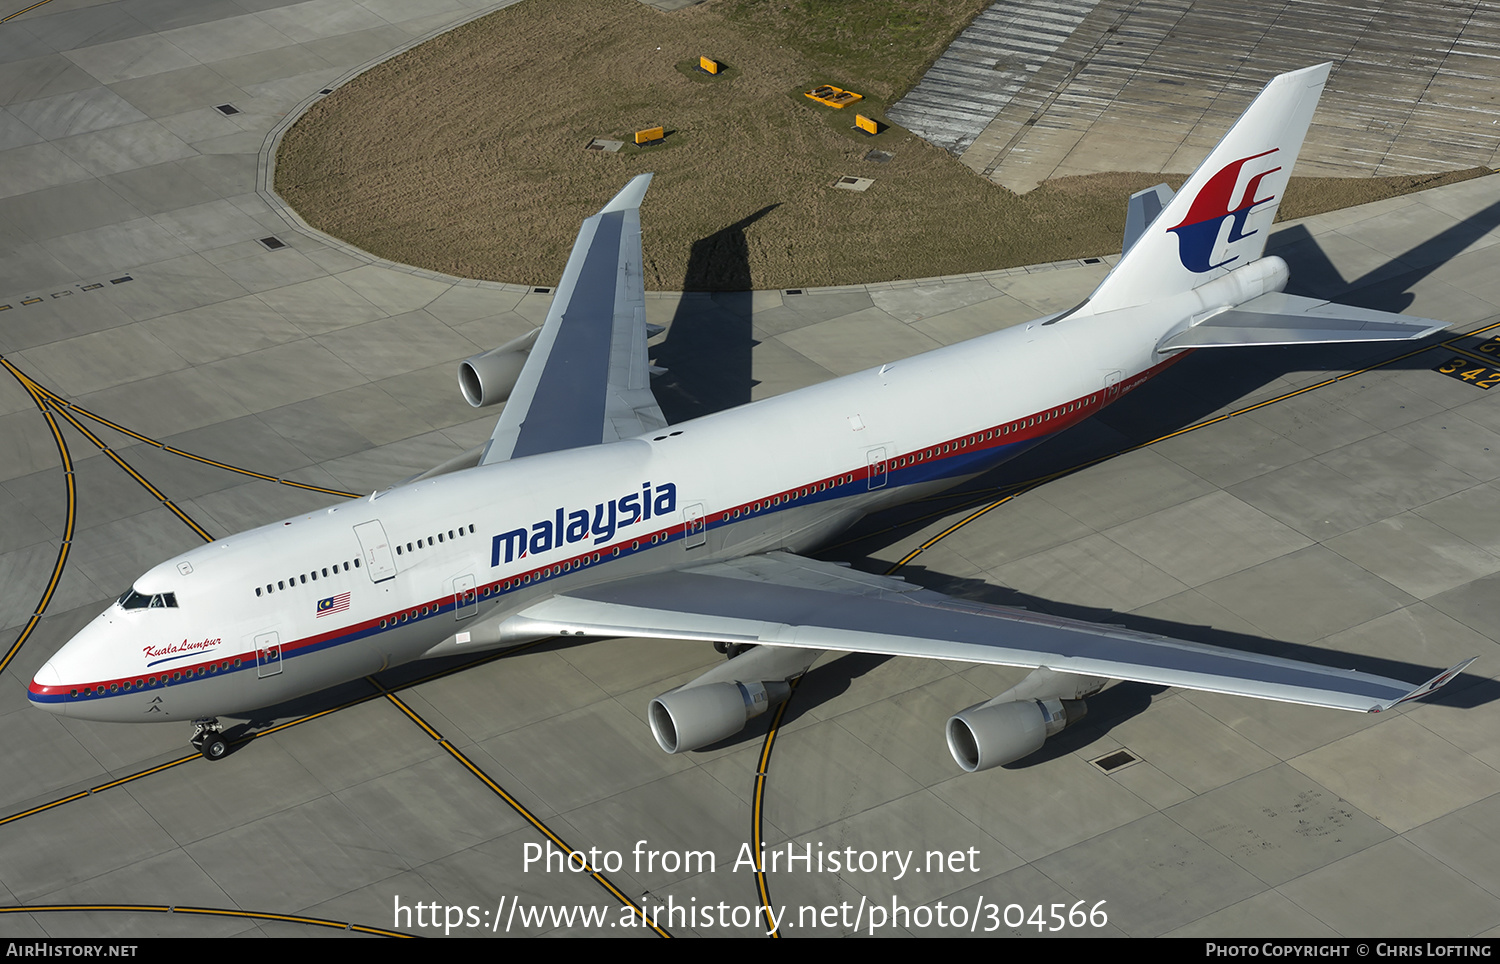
[{"x": 208, "y": 739}]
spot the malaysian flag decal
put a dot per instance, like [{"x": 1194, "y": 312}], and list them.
[{"x": 333, "y": 604}]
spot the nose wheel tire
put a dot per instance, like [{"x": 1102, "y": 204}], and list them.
[{"x": 208, "y": 740}]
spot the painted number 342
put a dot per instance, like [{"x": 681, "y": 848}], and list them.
[{"x": 1466, "y": 370}]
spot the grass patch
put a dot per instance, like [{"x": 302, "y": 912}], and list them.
[
  {"x": 883, "y": 45},
  {"x": 1307, "y": 196},
  {"x": 466, "y": 154}
]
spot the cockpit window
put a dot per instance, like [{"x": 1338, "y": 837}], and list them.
[{"x": 134, "y": 600}]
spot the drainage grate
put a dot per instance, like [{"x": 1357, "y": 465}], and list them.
[
  {"x": 794, "y": 291},
  {"x": 854, "y": 183},
  {"x": 326, "y": 90},
  {"x": 272, "y": 243},
  {"x": 541, "y": 291},
  {"x": 603, "y": 144},
  {"x": 227, "y": 109},
  {"x": 1117, "y": 760},
  {"x": 1092, "y": 260}
]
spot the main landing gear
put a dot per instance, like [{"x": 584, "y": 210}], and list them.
[
  {"x": 208, "y": 739},
  {"x": 731, "y": 650}
]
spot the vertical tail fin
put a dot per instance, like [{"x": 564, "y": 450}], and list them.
[{"x": 1221, "y": 217}]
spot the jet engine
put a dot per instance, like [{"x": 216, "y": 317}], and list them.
[
  {"x": 491, "y": 377},
  {"x": 718, "y": 704},
  {"x": 701, "y": 715},
  {"x": 990, "y": 734},
  {"x": 1016, "y": 723}
]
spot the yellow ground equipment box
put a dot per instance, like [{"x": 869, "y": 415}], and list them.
[{"x": 833, "y": 96}]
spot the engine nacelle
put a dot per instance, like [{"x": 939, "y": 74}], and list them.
[
  {"x": 700, "y": 715},
  {"x": 490, "y": 378},
  {"x": 718, "y": 704},
  {"x": 995, "y": 733}
]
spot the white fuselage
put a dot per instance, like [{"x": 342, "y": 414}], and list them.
[{"x": 436, "y": 567}]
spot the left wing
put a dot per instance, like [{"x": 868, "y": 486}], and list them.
[
  {"x": 779, "y": 599},
  {"x": 586, "y": 379}
]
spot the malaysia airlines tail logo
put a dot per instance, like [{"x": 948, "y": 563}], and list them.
[{"x": 1198, "y": 234}]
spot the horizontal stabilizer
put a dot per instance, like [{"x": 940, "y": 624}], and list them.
[{"x": 1282, "y": 319}]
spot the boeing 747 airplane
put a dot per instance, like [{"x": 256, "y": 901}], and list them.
[{"x": 587, "y": 515}]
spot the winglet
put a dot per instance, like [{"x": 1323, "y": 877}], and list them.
[
  {"x": 630, "y": 195},
  {"x": 1428, "y": 687}
]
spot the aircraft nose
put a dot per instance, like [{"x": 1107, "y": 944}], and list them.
[{"x": 47, "y": 691}]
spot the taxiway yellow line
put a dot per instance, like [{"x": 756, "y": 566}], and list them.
[
  {"x": 24, "y": 10},
  {"x": 68, "y": 525},
  {"x": 1492, "y": 360},
  {"x": 65, "y": 404},
  {"x": 518, "y": 807},
  {"x": 757, "y": 811},
  {"x": 115, "y": 457}
]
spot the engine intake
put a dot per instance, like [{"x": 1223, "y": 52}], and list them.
[
  {"x": 718, "y": 704},
  {"x": 490, "y": 378},
  {"x": 688, "y": 719},
  {"x": 995, "y": 733}
]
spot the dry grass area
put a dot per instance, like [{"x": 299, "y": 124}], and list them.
[
  {"x": 1307, "y": 196},
  {"x": 466, "y": 155}
]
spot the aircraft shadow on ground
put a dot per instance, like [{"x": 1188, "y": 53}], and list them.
[{"x": 706, "y": 353}]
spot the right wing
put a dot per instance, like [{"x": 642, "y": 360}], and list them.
[
  {"x": 779, "y": 599},
  {"x": 586, "y": 379}
]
